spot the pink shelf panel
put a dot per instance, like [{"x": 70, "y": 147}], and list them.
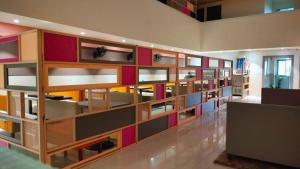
[
  {"x": 3, "y": 144},
  {"x": 60, "y": 47},
  {"x": 199, "y": 110},
  {"x": 160, "y": 91},
  {"x": 221, "y": 63},
  {"x": 128, "y": 136},
  {"x": 205, "y": 62},
  {"x": 199, "y": 74},
  {"x": 144, "y": 56},
  {"x": 172, "y": 120},
  {"x": 128, "y": 75}
]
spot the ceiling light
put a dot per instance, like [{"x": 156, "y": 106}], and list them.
[
  {"x": 152, "y": 45},
  {"x": 82, "y": 33},
  {"x": 172, "y": 49},
  {"x": 123, "y": 40},
  {"x": 152, "y": 158},
  {"x": 16, "y": 21},
  {"x": 282, "y": 48}
]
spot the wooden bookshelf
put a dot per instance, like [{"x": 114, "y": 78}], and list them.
[{"x": 119, "y": 97}]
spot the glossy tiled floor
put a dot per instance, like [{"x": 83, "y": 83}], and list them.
[{"x": 194, "y": 145}]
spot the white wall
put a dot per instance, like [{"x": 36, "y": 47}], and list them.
[
  {"x": 237, "y": 8},
  {"x": 256, "y": 66},
  {"x": 252, "y": 32},
  {"x": 145, "y": 20}
]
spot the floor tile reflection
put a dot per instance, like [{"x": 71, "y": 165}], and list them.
[{"x": 194, "y": 145}]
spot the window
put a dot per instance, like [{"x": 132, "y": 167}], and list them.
[
  {"x": 284, "y": 67},
  {"x": 272, "y": 6}
]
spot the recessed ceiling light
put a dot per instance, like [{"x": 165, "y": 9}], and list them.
[
  {"x": 152, "y": 45},
  {"x": 152, "y": 158},
  {"x": 172, "y": 49},
  {"x": 16, "y": 21},
  {"x": 123, "y": 40},
  {"x": 282, "y": 48},
  {"x": 82, "y": 33}
]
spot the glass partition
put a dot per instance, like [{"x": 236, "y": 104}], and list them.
[
  {"x": 213, "y": 63},
  {"x": 194, "y": 61},
  {"x": 82, "y": 76},
  {"x": 209, "y": 74},
  {"x": 153, "y": 75},
  {"x": 20, "y": 76},
  {"x": 187, "y": 74}
]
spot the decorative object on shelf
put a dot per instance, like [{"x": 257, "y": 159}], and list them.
[
  {"x": 157, "y": 58},
  {"x": 99, "y": 52}
]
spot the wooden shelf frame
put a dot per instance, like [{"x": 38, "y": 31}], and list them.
[{"x": 159, "y": 90}]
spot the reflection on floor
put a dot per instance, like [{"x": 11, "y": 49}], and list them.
[{"x": 194, "y": 145}]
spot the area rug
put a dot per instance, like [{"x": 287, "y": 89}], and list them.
[{"x": 245, "y": 163}]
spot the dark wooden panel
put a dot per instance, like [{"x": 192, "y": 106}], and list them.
[
  {"x": 289, "y": 97},
  {"x": 95, "y": 124},
  {"x": 214, "y": 13},
  {"x": 193, "y": 99},
  {"x": 264, "y": 132},
  {"x": 152, "y": 127}
]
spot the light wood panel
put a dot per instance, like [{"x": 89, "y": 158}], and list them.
[
  {"x": 29, "y": 46},
  {"x": 1, "y": 76}
]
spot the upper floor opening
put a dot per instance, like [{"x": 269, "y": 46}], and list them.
[{"x": 208, "y": 10}]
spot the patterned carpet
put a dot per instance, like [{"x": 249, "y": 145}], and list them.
[{"x": 245, "y": 163}]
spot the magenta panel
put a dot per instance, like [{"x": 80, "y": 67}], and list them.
[
  {"x": 199, "y": 74},
  {"x": 3, "y": 144},
  {"x": 128, "y": 136},
  {"x": 221, "y": 63},
  {"x": 10, "y": 39},
  {"x": 128, "y": 75},
  {"x": 172, "y": 120},
  {"x": 144, "y": 56},
  {"x": 159, "y": 91},
  {"x": 211, "y": 85},
  {"x": 205, "y": 62},
  {"x": 199, "y": 110},
  {"x": 186, "y": 11},
  {"x": 225, "y": 82},
  {"x": 60, "y": 48}
]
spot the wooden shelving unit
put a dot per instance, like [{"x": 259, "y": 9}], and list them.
[
  {"x": 241, "y": 78},
  {"x": 67, "y": 100},
  {"x": 241, "y": 85}
]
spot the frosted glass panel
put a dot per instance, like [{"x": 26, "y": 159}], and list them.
[
  {"x": 153, "y": 75},
  {"x": 194, "y": 61},
  {"x": 81, "y": 76},
  {"x": 213, "y": 63},
  {"x": 21, "y": 76},
  {"x": 227, "y": 64},
  {"x": 186, "y": 74}
]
